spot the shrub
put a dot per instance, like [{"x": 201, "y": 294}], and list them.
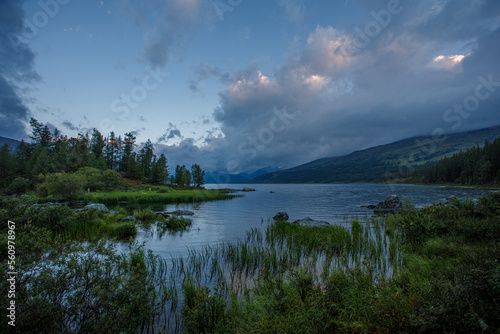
[
  {"x": 111, "y": 180},
  {"x": 63, "y": 185},
  {"x": 92, "y": 178},
  {"x": 20, "y": 185}
]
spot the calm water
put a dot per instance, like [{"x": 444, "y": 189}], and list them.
[{"x": 223, "y": 221}]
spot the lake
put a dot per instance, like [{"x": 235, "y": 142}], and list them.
[{"x": 228, "y": 221}]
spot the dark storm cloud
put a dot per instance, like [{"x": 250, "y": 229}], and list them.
[
  {"x": 404, "y": 82},
  {"x": 70, "y": 126},
  {"x": 16, "y": 67}
]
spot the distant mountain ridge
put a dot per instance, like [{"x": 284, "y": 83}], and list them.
[
  {"x": 11, "y": 142},
  {"x": 225, "y": 178},
  {"x": 401, "y": 159}
]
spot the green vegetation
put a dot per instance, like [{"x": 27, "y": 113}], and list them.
[
  {"x": 401, "y": 161},
  {"x": 174, "y": 223},
  {"x": 63, "y": 287},
  {"x": 476, "y": 166},
  {"x": 165, "y": 195},
  {"x": 430, "y": 270},
  {"x": 62, "y": 167}
]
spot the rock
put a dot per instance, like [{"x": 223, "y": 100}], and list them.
[
  {"x": 99, "y": 207},
  {"x": 389, "y": 205},
  {"x": 282, "y": 215},
  {"x": 129, "y": 219},
  {"x": 371, "y": 206},
  {"x": 181, "y": 213},
  {"x": 164, "y": 214},
  {"x": 248, "y": 189},
  {"x": 308, "y": 222},
  {"x": 273, "y": 192}
]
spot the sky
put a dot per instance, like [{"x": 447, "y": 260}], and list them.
[{"x": 239, "y": 85}]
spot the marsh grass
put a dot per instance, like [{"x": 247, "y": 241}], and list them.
[
  {"x": 409, "y": 272},
  {"x": 172, "y": 223},
  {"x": 147, "y": 196}
]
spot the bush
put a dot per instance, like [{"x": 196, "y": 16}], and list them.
[
  {"x": 92, "y": 178},
  {"x": 20, "y": 185},
  {"x": 63, "y": 186},
  {"x": 88, "y": 289},
  {"x": 111, "y": 180}
]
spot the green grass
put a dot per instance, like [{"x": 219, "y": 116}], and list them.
[
  {"x": 174, "y": 223},
  {"x": 159, "y": 196},
  {"x": 430, "y": 270}
]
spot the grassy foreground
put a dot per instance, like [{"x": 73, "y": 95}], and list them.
[{"x": 433, "y": 270}]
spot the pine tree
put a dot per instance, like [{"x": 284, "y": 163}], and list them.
[
  {"x": 97, "y": 144},
  {"x": 160, "y": 171},
  {"x": 111, "y": 150},
  {"x": 128, "y": 148},
  {"x": 198, "y": 175},
  {"x": 6, "y": 161},
  {"x": 145, "y": 159}
]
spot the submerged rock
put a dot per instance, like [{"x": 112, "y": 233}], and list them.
[
  {"x": 389, "y": 205},
  {"x": 99, "y": 207},
  {"x": 309, "y": 222},
  {"x": 181, "y": 213},
  {"x": 129, "y": 219},
  {"x": 282, "y": 215}
]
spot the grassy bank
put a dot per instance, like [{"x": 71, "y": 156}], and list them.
[{"x": 160, "y": 195}]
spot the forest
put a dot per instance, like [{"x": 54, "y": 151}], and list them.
[
  {"x": 475, "y": 166},
  {"x": 52, "y": 155}
]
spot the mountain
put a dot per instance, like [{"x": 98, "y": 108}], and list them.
[
  {"x": 225, "y": 178},
  {"x": 11, "y": 142},
  {"x": 393, "y": 162}
]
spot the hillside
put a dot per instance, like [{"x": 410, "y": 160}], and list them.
[
  {"x": 11, "y": 142},
  {"x": 381, "y": 163}
]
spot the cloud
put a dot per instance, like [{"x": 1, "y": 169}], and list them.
[
  {"x": 324, "y": 101},
  {"x": 16, "y": 68},
  {"x": 70, "y": 126},
  {"x": 177, "y": 24},
  {"x": 294, "y": 9},
  {"x": 171, "y": 133}
]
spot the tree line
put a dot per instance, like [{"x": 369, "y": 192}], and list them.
[
  {"x": 52, "y": 152},
  {"x": 475, "y": 166}
]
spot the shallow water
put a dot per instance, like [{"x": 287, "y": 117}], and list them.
[{"x": 228, "y": 221}]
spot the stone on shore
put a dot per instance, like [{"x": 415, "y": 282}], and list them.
[
  {"x": 181, "y": 213},
  {"x": 309, "y": 222},
  {"x": 99, "y": 207},
  {"x": 129, "y": 219}
]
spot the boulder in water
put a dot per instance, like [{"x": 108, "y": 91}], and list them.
[
  {"x": 282, "y": 215},
  {"x": 309, "y": 222}
]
